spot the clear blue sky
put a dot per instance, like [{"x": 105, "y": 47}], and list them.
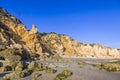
[{"x": 92, "y": 21}]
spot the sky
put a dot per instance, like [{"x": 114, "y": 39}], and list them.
[{"x": 90, "y": 21}]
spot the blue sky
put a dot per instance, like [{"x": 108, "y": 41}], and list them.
[{"x": 91, "y": 21}]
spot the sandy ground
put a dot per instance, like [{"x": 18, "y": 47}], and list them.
[{"x": 86, "y": 72}]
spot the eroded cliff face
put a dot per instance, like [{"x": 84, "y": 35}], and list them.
[
  {"x": 67, "y": 46},
  {"x": 13, "y": 33}
]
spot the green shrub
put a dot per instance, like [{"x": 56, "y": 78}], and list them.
[
  {"x": 64, "y": 75},
  {"x": 13, "y": 75},
  {"x": 16, "y": 75},
  {"x": 34, "y": 66},
  {"x": 26, "y": 72},
  {"x": 67, "y": 73},
  {"x": 97, "y": 65},
  {"x": 12, "y": 60},
  {"x": 24, "y": 54},
  {"x": 60, "y": 77},
  {"x": 49, "y": 70},
  {"x": 109, "y": 66}
]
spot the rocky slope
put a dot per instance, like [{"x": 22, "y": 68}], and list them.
[{"x": 14, "y": 34}]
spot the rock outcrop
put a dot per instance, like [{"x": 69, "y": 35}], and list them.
[
  {"x": 14, "y": 34},
  {"x": 33, "y": 30}
]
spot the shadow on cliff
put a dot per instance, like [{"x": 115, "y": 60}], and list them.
[{"x": 11, "y": 34}]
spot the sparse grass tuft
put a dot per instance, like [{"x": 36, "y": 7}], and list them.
[{"x": 81, "y": 63}]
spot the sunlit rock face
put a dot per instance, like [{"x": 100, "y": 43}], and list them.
[
  {"x": 13, "y": 33},
  {"x": 67, "y": 46}
]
